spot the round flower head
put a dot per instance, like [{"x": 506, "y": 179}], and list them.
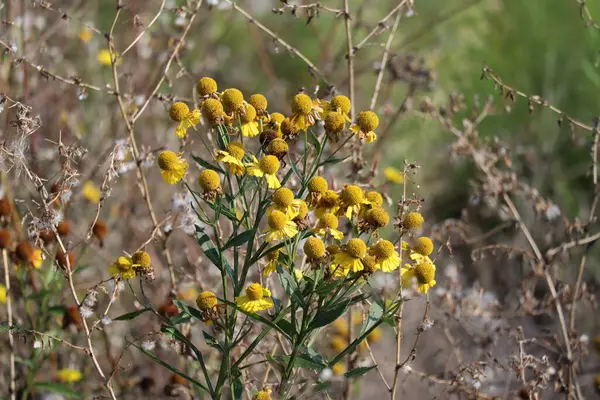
[
  {"x": 206, "y": 301},
  {"x": 141, "y": 260},
  {"x": 277, "y": 117},
  {"x": 341, "y": 104},
  {"x": 267, "y": 167},
  {"x": 374, "y": 198},
  {"x": 173, "y": 167},
  {"x": 278, "y": 148},
  {"x": 178, "y": 111},
  {"x": 412, "y": 220},
  {"x": 423, "y": 246},
  {"x": 209, "y": 181},
  {"x": 123, "y": 267},
  {"x": 259, "y": 102},
  {"x": 68, "y": 375},
  {"x": 350, "y": 257},
  {"x": 5, "y": 208},
  {"x": 275, "y": 120},
  {"x": 338, "y": 369},
  {"x": 305, "y": 112},
  {"x": 28, "y": 254},
  {"x": 283, "y": 200},
  {"x": 288, "y": 128},
  {"x": 328, "y": 223},
  {"x": 302, "y": 210},
  {"x": 232, "y": 155},
  {"x": 272, "y": 265},
  {"x": 386, "y": 255},
  {"x": 232, "y": 100},
  {"x": 5, "y": 239},
  {"x": 314, "y": 248},
  {"x": 212, "y": 110},
  {"x": 423, "y": 272},
  {"x": 100, "y": 230},
  {"x": 280, "y": 226},
  {"x": 393, "y": 175},
  {"x": 206, "y": 86},
  {"x": 366, "y": 123},
  {"x": 352, "y": 197},
  {"x": 268, "y": 135},
  {"x": 328, "y": 202},
  {"x": 370, "y": 264},
  {"x": 63, "y": 228},
  {"x": 317, "y": 184},
  {"x": 262, "y": 395},
  {"x": 65, "y": 261},
  {"x": 248, "y": 120},
  {"x": 338, "y": 343},
  {"x": 377, "y": 217},
  {"x": 256, "y": 299},
  {"x": 335, "y": 122}
]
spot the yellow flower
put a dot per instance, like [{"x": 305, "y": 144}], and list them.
[
  {"x": 232, "y": 100},
  {"x": 328, "y": 203},
  {"x": 36, "y": 258},
  {"x": 248, "y": 119},
  {"x": 352, "y": 197},
  {"x": 213, "y": 111},
  {"x": 283, "y": 200},
  {"x": 385, "y": 255},
  {"x": 280, "y": 227},
  {"x": 374, "y": 336},
  {"x": 3, "y": 293},
  {"x": 423, "y": 246},
  {"x": 338, "y": 343},
  {"x": 172, "y": 166},
  {"x": 68, "y": 375},
  {"x": 263, "y": 395},
  {"x": 178, "y": 111},
  {"x": 341, "y": 327},
  {"x": 206, "y": 301},
  {"x": 393, "y": 175},
  {"x": 350, "y": 257},
  {"x": 272, "y": 265},
  {"x": 305, "y": 112},
  {"x": 328, "y": 224},
  {"x": 91, "y": 192},
  {"x": 314, "y": 248},
  {"x": 206, "y": 86},
  {"x": 210, "y": 181},
  {"x": 123, "y": 267},
  {"x": 232, "y": 155},
  {"x": 259, "y": 102},
  {"x": 298, "y": 274},
  {"x": 338, "y": 368},
  {"x": 412, "y": 220},
  {"x": 28, "y": 254},
  {"x": 423, "y": 272},
  {"x": 104, "y": 57},
  {"x": 190, "y": 120},
  {"x": 85, "y": 35},
  {"x": 267, "y": 167},
  {"x": 278, "y": 148},
  {"x": 335, "y": 122},
  {"x": 141, "y": 261},
  {"x": 257, "y": 298},
  {"x": 275, "y": 123},
  {"x": 377, "y": 217},
  {"x": 340, "y": 104},
  {"x": 366, "y": 123},
  {"x": 317, "y": 186}
]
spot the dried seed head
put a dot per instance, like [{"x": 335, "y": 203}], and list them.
[
  {"x": 5, "y": 239},
  {"x": 100, "y": 230},
  {"x": 267, "y": 136},
  {"x": 61, "y": 259},
  {"x": 5, "y": 208},
  {"x": 278, "y": 148},
  {"x": 63, "y": 228}
]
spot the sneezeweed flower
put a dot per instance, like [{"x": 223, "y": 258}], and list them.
[
  {"x": 338, "y": 368},
  {"x": 372, "y": 199},
  {"x": 69, "y": 375},
  {"x": 212, "y": 110},
  {"x": 340, "y": 104},
  {"x": 327, "y": 225},
  {"x": 393, "y": 175},
  {"x": 370, "y": 264},
  {"x": 338, "y": 343},
  {"x": 377, "y": 218},
  {"x": 26, "y": 254},
  {"x": 262, "y": 395},
  {"x": 180, "y": 112},
  {"x": 6, "y": 241},
  {"x": 272, "y": 265},
  {"x": 100, "y": 230},
  {"x": 232, "y": 100},
  {"x": 91, "y": 192},
  {"x": 314, "y": 249},
  {"x": 350, "y": 258},
  {"x": 317, "y": 186},
  {"x": 142, "y": 262},
  {"x": 305, "y": 112},
  {"x": 335, "y": 123},
  {"x": 206, "y": 301},
  {"x": 423, "y": 272},
  {"x": 267, "y": 168},
  {"x": 257, "y": 298},
  {"x": 267, "y": 136},
  {"x": 123, "y": 267},
  {"x": 259, "y": 102},
  {"x": 104, "y": 58},
  {"x": 423, "y": 246},
  {"x": 249, "y": 125},
  {"x": 302, "y": 218},
  {"x": 280, "y": 226},
  {"x": 385, "y": 255},
  {"x": 366, "y": 123},
  {"x": 67, "y": 261},
  {"x": 352, "y": 197},
  {"x": 3, "y": 293},
  {"x": 172, "y": 166},
  {"x": 288, "y": 129},
  {"x": 206, "y": 86},
  {"x": 412, "y": 220},
  {"x": 328, "y": 203},
  {"x": 232, "y": 155},
  {"x": 278, "y": 148},
  {"x": 210, "y": 182},
  {"x": 283, "y": 200}
]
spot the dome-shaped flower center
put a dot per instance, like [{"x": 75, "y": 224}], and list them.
[
  {"x": 209, "y": 180},
  {"x": 142, "y": 259},
  {"x": 374, "y": 197},
  {"x": 277, "y": 117},
  {"x": 254, "y": 291},
  {"x": 301, "y": 104},
  {"x": 283, "y": 197},
  {"x": 212, "y": 108},
  {"x": 329, "y": 199},
  {"x": 269, "y": 165},
  {"x": 314, "y": 248},
  {"x": 288, "y": 128},
  {"x": 423, "y": 246},
  {"x": 262, "y": 395},
  {"x": 317, "y": 184},
  {"x": 328, "y": 220},
  {"x": 383, "y": 249},
  {"x": 249, "y": 115},
  {"x": 277, "y": 220},
  {"x": 167, "y": 160},
  {"x": 333, "y": 249},
  {"x": 334, "y": 122},
  {"x": 424, "y": 272},
  {"x": 206, "y": 86},
  {"x": 341, "y": 103},
  {"x": 178, "y": 111},
  {"x": 377, "y": 217},
  {"x": 236, "y": 149},
  {"x": 278, "y": 147},
  {"x": 352, "y": 195},
  {"x": 370, "y": 264},
  {"x": 367, "y": 121},
  {"x": 356, "y": 248},
  {"x": 258, "y": 101},
  {"x": 232, "y": 100},
  {"x": 413, "y": 220},
  {"x": 124, "y": 263},
  {"x": 206, "y": 300},
  {"x": 303, "y": 211}
]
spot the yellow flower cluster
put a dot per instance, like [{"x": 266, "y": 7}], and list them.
[{"x": 126, "y": 267}]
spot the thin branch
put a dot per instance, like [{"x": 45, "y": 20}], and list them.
[
  {"x": 350, "y": 56},
  {"x": 384, "y": 61}
]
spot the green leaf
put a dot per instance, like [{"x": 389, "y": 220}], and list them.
[
  {"x": 207, "y": 165},
  {"x": 131, "y": 315},
  {"x": 59, "y": 388},
  {"x": 258, "y": 317},
  {"x": 237, "y": 389},
  {"x": 333, "y": 160},
  {"x": 374, "y": 315},
  {"x": 328, "y": 315},
  {"x": 57, "y": 310},
  {"x": 315, "y": 142},
  {"x": 172, "y": 369},
  {"x": 286, "y": 326},
  {"x": 212, "y": 341},
  {"x": 356, "y": 372},
  {"x": 301, "y": 361},
  {"x": 321, "y": 387},
  {"x": 289, "y": 285},
  {"x": 240, "y": 239}
]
